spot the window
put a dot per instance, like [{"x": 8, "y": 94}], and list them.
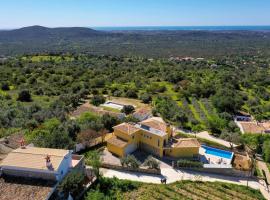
[
  {"x": 133, "y": 137},
  {"x": 158, "y": 142}
]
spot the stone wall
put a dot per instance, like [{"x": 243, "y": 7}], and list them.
[
  {"x": 219, "y": 171},
  {"x": 141, "y": 170}
]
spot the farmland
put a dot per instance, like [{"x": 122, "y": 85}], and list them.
[{"x": 186, "y": 190}]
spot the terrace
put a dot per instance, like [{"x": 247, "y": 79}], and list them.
[{"x": 215, "y": 157}]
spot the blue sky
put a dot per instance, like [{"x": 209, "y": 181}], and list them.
[{"x": 91, "y": 13}]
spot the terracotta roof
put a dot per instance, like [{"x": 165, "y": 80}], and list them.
[
  {"x": 252, "y": 127},
  {"x": 34, "y": 158},
  {"x": 17, "y": 188},
  {"x": 142, "y": 111},
  {"x": 242, "y": 162},
  {"x": 156, "y": 123},
  {"x": 187, "y": 142},
  {"x": 126, "y": 128},
  {"x": 266, "y": 125},
  {"x": 117, "y": 141}
]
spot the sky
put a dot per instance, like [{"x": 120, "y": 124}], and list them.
[{"x": 100, "y": 13}]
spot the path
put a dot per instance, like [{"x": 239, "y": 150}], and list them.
[
  {"x": 174, "y": 175},
  {"x": 207, "y": 136},
  {"x": 262, "y": 166}
]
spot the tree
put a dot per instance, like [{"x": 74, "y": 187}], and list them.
[
  {"x": 131, "y": 94},
  {"x": 128, "y": 109},
  {"x": 146, "y": 98},
  {"x": 72, "y": 183},
  {"x": 5, "y": 87},
  {"x": 151, "y": 163},
  {"x": 93, "y": 159},
  {"x": 266, "y": 150},
  {"x": 97, "y": 100},
  {"x": 87, "y": 137},
  {"x": 109, "y": 121},
  {"x": 227, "y": 100},
  {"x": 130, "y": 161},
  {"x": 72, "y": 128},
  {"x": 24, "y": 96},
  {"x": 231, "y": 137}
]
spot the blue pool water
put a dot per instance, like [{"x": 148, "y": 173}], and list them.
[{"x": 218, "y": 152}]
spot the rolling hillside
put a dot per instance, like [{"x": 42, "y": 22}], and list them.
[{"x": 38, "y": 39}]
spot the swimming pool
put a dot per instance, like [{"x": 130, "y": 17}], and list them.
[
  {"x": 110, "y": 104},
  {"x": 217, "y": 152}
]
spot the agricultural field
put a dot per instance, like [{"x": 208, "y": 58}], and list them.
[
  {"x": 114, "y": 188},
  {"x": 198, "y": 111},
  {"x": 48, "y": 58},
  {"x": 188, "y": 190}
]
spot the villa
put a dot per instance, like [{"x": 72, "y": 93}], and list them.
[
  {"x": 42, "y": 163},
  {"x": 152, "y": 135}
]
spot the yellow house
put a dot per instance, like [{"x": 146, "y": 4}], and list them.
[{"x": 152, "y": 135}]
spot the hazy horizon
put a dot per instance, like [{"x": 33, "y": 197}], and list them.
[{"x": 122, "y": 13}]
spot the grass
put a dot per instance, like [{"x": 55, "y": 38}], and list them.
[
  {"x": 195, "y": 114},
  {"x": 110, "y": 109},
  {"x": 193, "y": 190}
]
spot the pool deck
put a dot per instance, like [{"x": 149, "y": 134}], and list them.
[{"x": 212, "y": 159}]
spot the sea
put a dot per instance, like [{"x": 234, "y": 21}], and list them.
[{"x": 185, "y": 28}]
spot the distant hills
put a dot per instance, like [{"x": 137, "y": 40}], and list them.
[
  {"x": 40, "y": 32},
  {"x": 155, "y": 43}
]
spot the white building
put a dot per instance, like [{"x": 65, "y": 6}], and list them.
[{"x": 33, "y": 162}]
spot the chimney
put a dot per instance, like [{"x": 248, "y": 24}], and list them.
[
  {"x": 22, "y": 143},
  {"x": 48, "y": 163}
]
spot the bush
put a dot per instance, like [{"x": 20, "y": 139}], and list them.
[
  {"x": 97, "y": 100},
  {"x": 152, "y": 163},
  {"x": 111, "y": 188},
  {"x": 131, "y": 94},
  {"x": 189, "y": 163},
  {"x": 128, "y": 109},
  {"x": 130, "y": 161},
  {"x": 5, "y": 87},
  {"x": 93, "y": 159},
  {"x": 72, "y": 183},
  {"x": 266, "y": 151},
  {"x": 24, "y": 96},
  {"x": 146, "y": 98}
]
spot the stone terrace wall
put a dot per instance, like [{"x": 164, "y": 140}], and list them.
[{"x": 141, "y": 170}]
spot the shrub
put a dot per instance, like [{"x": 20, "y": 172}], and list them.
[
  {"x": 128, "y": 109},
  {"x": 97, "y": 100},
  {"x": 151, "y": 163},
  {"x": 72, "y": 183},
  {"x": 5, "y": 87},
  {"x": 266, "y": 151},
  {"x": 131, "y": 94},
  {"x": 24, "y": 96},
  {"x": 111, "y": 188},
  {"x": 93, "y": 159},
  {"x": 146, "y": 98},
  {"x": 130, "y": 161},
  {"x": 189, "y": 163}
]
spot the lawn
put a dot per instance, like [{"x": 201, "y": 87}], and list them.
[{"x": 186, "y": 190}]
